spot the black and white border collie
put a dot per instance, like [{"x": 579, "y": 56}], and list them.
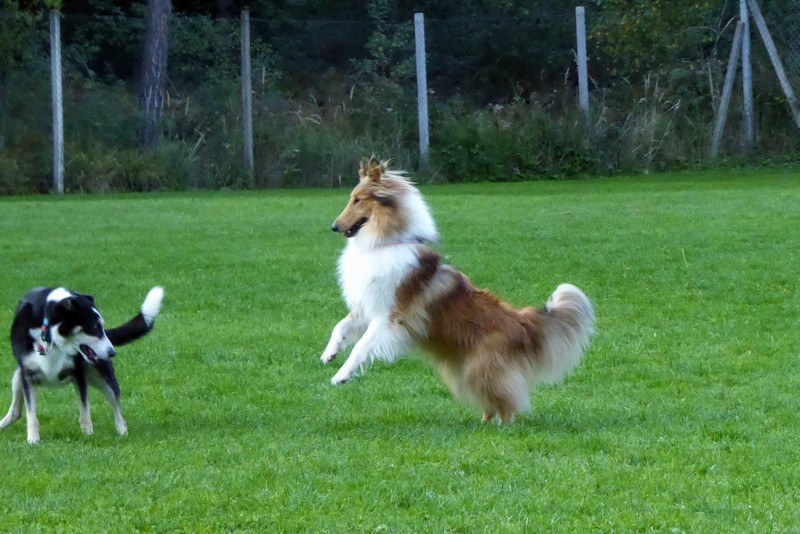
[{"x": 58, "y": 338}]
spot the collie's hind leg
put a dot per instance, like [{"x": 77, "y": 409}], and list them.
[
  {"x": 344, "y": 334},
  {"x": 382, "y": 340},
  {"x": 15, "y": 411},
  {"x": 499, "y": 390}
]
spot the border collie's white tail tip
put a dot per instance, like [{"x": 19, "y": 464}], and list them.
[{"x": 152, "y": 304}]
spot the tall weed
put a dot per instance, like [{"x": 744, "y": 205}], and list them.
[
  {"x": 13, "y": 176},
  {"x": 518, "y": 141},
  {"x": 101, "y": 169}
]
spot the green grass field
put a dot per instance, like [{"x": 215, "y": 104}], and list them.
[{"x": 681, "y": 418}]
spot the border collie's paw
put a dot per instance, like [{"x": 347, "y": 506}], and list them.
[
  {"x": 326, "y": 357},
  {"x": 8, "y": 419}
]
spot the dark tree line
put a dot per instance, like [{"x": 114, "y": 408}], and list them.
[{"x": 314, "y": 59}]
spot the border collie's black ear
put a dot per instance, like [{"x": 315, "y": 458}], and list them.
[
  {"x": 67, "y": 304},
  {"x": 90, "y": 298}
]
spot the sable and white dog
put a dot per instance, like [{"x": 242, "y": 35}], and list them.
[
  {"x": 58, "y": 338},
  {"x": 399, "y": 294}
]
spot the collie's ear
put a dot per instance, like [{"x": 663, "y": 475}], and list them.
[
  {"x": 384, "y": 197},
  {"x": 363, "y": 170},
  {"x": 375, "y": 170},
  {"x": 371, "y": 169}
]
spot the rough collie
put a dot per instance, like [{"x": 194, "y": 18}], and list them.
[{"x": 400, "y": 294}]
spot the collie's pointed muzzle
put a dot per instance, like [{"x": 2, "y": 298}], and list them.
[{"x": 349, "y": 232}]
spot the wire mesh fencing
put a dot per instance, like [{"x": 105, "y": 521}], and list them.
[
  {"x": 502, "y": 98},
  {"x": 785, "y": 20}
]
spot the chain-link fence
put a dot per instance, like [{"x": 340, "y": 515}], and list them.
[
  {"x": 785, "y": 22},
  {"x": 502, "y": 100}
]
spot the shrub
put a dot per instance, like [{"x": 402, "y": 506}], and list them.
[
  {"x": 508, "y": 143},
  {"x": 13, "y": 176},
  {"x": 100, "y": 169},
  {"x": 299, "y": 150}
]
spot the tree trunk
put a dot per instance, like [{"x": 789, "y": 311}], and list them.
[{"x": 154, "y": 69}]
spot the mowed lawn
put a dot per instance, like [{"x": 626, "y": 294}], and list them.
[{"x": 683, "y": 416}]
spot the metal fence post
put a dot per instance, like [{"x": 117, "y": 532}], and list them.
[
  {"x": 726, "y": 90},
  {"x": 247, "y": 98},
  {"x": 583, "y": 77},
  {"x": 58, "y": 109},
  {"x": 422, "y": 88},
  {"x": 747, "y": 79}
]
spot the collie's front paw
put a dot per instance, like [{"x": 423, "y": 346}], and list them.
[
  {"x": 339, "y": 378},
  {"x": 327, "y": 356}
]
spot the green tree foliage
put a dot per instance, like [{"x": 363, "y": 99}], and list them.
[
  {"x": 634, "y": 37},
  {"x": 389, "y": 65},
  {"x": 105, "y": 42},
  {"x": 489, "y": 51},
  {"x": 16, "y": 25},
  {"x": 16, "y": 32},
  {"x": 336, "y": 79}
]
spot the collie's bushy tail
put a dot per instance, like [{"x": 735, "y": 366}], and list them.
[
  {"x": 567, "y": 324},
  {"x": 141, "y": 323}
]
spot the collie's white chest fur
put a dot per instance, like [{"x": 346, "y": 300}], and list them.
[
  {"x": 369, "y": 277},
  {"x": 48, "y": 366}
]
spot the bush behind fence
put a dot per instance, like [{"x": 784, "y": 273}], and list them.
[{"x": 502, "y": 103}]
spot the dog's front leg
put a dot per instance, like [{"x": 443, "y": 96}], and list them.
[
  {"x": 83, "y": 406},
  {"x": 382, "y": 339},
  {"x": 30, "y": 412},
  {"x": 344, "y": 334}
]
